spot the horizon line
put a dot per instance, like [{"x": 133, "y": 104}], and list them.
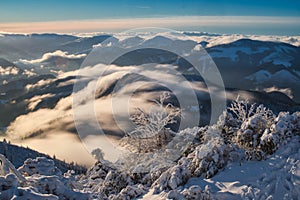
[{"x": 113, "y": 25}]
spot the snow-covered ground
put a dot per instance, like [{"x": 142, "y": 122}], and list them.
[
  {"x": 277, "y": 177},
  {"x": 249, "y": 154}
]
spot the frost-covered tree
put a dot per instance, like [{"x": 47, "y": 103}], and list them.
[
  {"x": 151, "y": 126},
  {"x": 243, "y": 110}
]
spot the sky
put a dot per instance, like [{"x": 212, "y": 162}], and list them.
[{"x": 35, "y": 15}]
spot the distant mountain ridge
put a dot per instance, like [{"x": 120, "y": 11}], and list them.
[{"x": 263, "y": 71}]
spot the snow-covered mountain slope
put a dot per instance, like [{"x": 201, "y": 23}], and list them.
[
  {"x": 254, "y": 156},
  {"x": 278, "y": 177},
  {"x": 261, "y": 69},
  {"x": 30, "y": 46},
  {"x": 258, "y": 64},
  {"x": 245, "y": 55}
]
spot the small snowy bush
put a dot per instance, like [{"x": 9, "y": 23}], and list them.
[
  {"x": 129, "y": 192},
  {"x": 243, "y": 110},
  {"x": 255, "y": 129},
  {"x": 40, "y": 165},
  {"x": 150, "y": 132},
  {"x": 36, "y": 179},
  {"x": 211, "y": 156},
  {"x": 195, "y": 192},
  {"x": 173, "y": 177},
  {"x": 192, "y": 193}
]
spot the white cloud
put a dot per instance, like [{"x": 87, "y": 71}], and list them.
[
  {"x": 38, "y": 84},
  {"x": 49, "y": 55},
  {"x": 11, "y": 70},
  {"x": 286, "y": 91},
  {"x": 34, "y": 101}
]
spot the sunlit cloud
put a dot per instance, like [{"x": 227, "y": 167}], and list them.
[{"x": 49, "y": 55}]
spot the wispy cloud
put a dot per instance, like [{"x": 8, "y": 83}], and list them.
[{"x": 49, "y": 55}]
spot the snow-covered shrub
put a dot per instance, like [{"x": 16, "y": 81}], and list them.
[
  {"x": 108, "y": 183},
  {"x": 192, "y": 193},
  {"x": 95, "y": 176},
  {"x": 270, "y": 134},
  {"x": 195, "y": 192},
  {"x": 204, "y": 151},
  {"x": 8, "y": 181},
  {"x": 269, "y": 142},
  {"x": 243, "y": 110},
  {"x": 6, "y": 168},
  {"x": 228, "y": 125},
  {"x": 284, "y": 126},
  {"x": 42, "y": 174},
  {"x": 25, "y": 193},
  {"x": 248, "y": 136},
  {"x": 40, "y": 165},
  {"x": 130, "y": 192},
  {"x": 150, "y": 132},
  {"x": 54, "y": 185},
  {"x": 205, "y": 156},
  {"x": 173, "y": 177},
  {"x": 255, "y": 129},
  {"x": 114, "y": 182},
  {"x": 42, "y": 181},
  {"x": 211, "y": 155},
  {"x": 244, "y": 123},
  {"x": 98, "y": 154}
]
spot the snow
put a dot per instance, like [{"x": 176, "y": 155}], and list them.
[
  {"x": 260, "y": 76},
  {"x": 285, "y": 75},
  {"x": 275, "y": 177},
  {"x": 232, "y": 52},
  {"x": 201, "y": 163},
  {"x": 282, "y": 62},
  {"x": 36, "y": 179},
  {"x": 278, "y": 177},
  {"x": 40, "y": 165},
  {"x": 278, "y": 57},
  {"x": 212, "y": 166}
]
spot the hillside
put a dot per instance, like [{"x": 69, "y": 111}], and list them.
[
  {"x": 253, "y": 156},
  {"x": 17, "y": 156}
]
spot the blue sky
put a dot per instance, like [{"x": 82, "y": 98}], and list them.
[
  {"x": 25, "y": 11},
  {"x": 40, "y": 10}
]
